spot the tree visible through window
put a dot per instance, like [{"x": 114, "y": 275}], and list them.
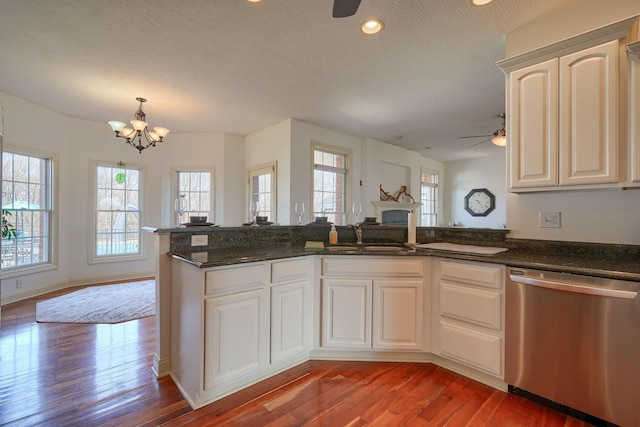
[
  {"x": 26, "y": 194},
  {"x": 197, "y": 190},
  {"x": 330, "y": 184},
  {"x": 262, "y": 189},
  {"x": 117, "y": 211},
  {"x": 429, "y": 198}
]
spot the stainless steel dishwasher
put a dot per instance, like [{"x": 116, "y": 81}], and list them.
[{"x": 575, "y": 341}]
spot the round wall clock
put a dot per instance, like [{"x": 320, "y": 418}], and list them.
[{"x": 479, "y": 202}]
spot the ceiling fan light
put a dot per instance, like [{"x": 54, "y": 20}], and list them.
[
  {"x": 500, "y": 139},
  {"x": 372, "y": 26},
  {"x": 480, "y": 2}
]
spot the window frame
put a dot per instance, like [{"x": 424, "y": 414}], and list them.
[
  {"x": 433, "y": 212},
  {"x": 91, "y": 252},
  {"x": 348, "y": 155},
  {"x": 175, "y": 190},
  {"x": 270, "y": 168},
  {"x": 53, "y": 220}
]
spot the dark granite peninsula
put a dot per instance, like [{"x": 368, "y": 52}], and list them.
[{"x": 210, "y": 277}]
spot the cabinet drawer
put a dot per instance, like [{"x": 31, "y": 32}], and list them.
[
  {"x": 356, "y": 266},
  {"x": 476, "y": 306},
  {"x": 487, "y": 276},
  {"x": 290, "y": 270},
  {"x": 476, "y": 349},
  {"x": 234, "y": 279}
]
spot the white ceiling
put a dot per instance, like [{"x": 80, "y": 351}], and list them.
[{"x": 238, "y": 67}]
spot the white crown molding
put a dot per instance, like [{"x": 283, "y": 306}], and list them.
[{"x": 582, "y": 41}]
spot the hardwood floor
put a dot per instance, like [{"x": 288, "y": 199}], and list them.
[{"x": 99, "y": 375}]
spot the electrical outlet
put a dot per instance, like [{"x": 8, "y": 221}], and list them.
[
  {"x": 199, "y": 240},
  {"x": 18, "y": 283},
  {"x": 549, "y": 219}
]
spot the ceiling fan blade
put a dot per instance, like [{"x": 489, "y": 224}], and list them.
[
  {"x": 481, "y": 142},
  {"x": 474, "y": 136},
  {"x": 344, "y": 8}
]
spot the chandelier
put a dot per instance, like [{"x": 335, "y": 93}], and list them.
[{"x": 134, "y": 137}]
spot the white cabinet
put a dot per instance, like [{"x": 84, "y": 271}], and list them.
[
  {"x": 236, "y": 329},
  {"x": 633, "y": 50},
  {"x": 397, "y": 314},
  {"x": 372, "y": 303},
  {"x": 236, "y": 341},
  {"x": 346, "y": 313},
  {"x": 233, "y": 326},
  {"x": 533, "y": 125},
  {"x": 291, "y": 308},
  {"x": 563, "y": 120},
  {"x": 468, "y": 316}
]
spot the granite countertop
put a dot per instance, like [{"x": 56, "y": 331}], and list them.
[{"x": 619, "y": 267}]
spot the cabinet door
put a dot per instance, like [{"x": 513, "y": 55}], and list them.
[
  {"x": 533, "y": 126},
  {"x": 346, "y": 313},
  {"x": 236, "y": 336},
  {"x": 397, "y": 315},
  {"x": 634, "y": 109},
  {"x": 589, "y": 115},
  {"x": 291, "y": 320}
]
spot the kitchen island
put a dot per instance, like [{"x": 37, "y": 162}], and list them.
[{"x": 286, "y": 285}]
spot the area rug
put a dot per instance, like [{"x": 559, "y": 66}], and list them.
[{"x": 101, "y": 304}]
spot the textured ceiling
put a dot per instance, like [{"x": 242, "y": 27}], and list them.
[{"x": 238, "y": 67}]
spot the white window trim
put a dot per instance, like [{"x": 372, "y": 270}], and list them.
[
  {"x": 174, "y": 189},
  {"x": 91, "y": 252},
  {"x": 348, "y": 153},
  {"x": 437, "y": 200},
  {"x": 54, "y": 224},
  {"x": 264, "y": 169}
]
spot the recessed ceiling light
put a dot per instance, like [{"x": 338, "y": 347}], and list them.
[
  {"x": 254, "y": 1},
  {"x": 372, "y": 26},
  {"x": 480, "y": 2}
]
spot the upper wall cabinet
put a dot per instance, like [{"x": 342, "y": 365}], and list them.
[
  {"x": 633, "y": 50},
  {"x": 565, "y": 111}
]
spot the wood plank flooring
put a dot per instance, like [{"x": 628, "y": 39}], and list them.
[{"x": 99, "y": 375}]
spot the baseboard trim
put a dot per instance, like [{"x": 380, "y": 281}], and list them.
[{"x": 86, "y": 281}]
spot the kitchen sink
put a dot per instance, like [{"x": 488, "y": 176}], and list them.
[
  {"x": 383, "y": 248},
  {"x": 343, "y": 248},
  {"x": 367, "y": 248}
]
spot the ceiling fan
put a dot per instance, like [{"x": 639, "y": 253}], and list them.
[
  {"x": 345, "y": 8},
  {"x": 498, "y": 137}
]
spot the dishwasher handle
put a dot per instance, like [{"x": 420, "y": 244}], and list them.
[{"x": 568, "y": 287}]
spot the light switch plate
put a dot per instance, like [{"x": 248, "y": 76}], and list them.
[
  {"x": 199, "y": 240},
  {"x": 549, "y": 219}
]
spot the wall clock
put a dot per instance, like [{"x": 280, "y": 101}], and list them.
[{"x": 479, "y": 202}]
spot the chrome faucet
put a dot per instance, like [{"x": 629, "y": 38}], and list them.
[{"x": 357, "y": 228}]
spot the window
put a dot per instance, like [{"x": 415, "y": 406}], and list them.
[
  {"x": 429, "y": 198},
  {"x": 27, "y": 183},
  {"x": 118, "y": 200},
  {"x": 197, "y": 189},
  {"x": 262, "y": 189},
  {"x": 330, "y": 184}
]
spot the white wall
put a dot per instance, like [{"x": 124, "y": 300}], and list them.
[
  {"x": 606, "y": 216},
  {"x": 465, "y": 175},
  {"x": 268, "y": 145},
  {"x": 302, "y": 136},
  {"x": 385, "y": 164},
  {"x": 76, "y": 143},
  {"x": 572, "y": 18}
]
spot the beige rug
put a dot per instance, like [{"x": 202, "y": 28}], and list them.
[{"x": 101, "y": 304}]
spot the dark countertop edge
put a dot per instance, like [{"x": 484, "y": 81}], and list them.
[{"x": 515, "y": 258}]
